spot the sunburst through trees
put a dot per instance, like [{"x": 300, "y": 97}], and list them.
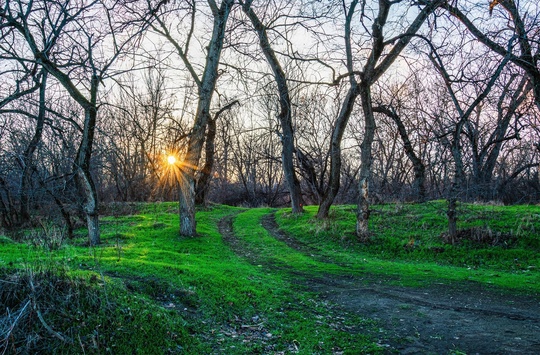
[{"x": 172, "y": 177}]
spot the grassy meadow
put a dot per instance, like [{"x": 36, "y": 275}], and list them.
[{"x": 146, "y": 290}]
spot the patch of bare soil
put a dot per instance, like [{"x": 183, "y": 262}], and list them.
[
  {"x": 226, "y": 230},
  {"x": 439, "y": 318},
  {"x": 435, "y": 319}
]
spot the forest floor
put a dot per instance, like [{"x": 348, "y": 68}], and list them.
[
  {"x": 266, "y": 281},
  {"x": 443, "y": 317}
]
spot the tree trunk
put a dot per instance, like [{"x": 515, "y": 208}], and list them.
[
  {"x": 457, "y": 184},
  {"x": 288, "y": 169},
  {"x": 362, "y": 216},
  {"x": 203, "y": 184},
  {"x": 196, "y": 139},
  {"x": 334, "y": 179},
  {"x": 88, "y": 193},
  {"x": 285, "y": 114},
  {"x": 188, "y": 224},
  {"x": 83, "y": 177},
  {"x": 452, "y": 220}
]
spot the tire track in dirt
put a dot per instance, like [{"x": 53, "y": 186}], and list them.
[
  {"x": 225, "y": 228},
  {"x": 435, "y": 319},
  {"x": 269, "y": 223}
]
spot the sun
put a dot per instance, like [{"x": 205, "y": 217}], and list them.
[{"x": 171, "y": 159}]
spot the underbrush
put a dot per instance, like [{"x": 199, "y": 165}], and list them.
[{"x": 47, "y": 309}]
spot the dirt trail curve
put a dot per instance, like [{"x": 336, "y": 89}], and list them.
[{"x": 435, "y": 319}]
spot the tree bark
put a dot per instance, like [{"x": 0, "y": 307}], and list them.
[
  {"x": 285, "y": 114},
  {"x": 334, "y": 179},
  {"x": 452, "y": 220},
  {"x": 203, "y": 184},
  {"x": 188, "y": 223},
  {"x": 83, "y": 177},
  {"x": 196, "y": 140},
  {"x": 363, "y": 212}
]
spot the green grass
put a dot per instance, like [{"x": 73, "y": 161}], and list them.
[
  {"x": 192, "y": 294},
  {"x": 197, "y": 296},
  {"x": 407, "y": 242}
]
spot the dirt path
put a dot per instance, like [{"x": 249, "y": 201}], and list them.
[
  {"x": 439, "y": 319},
  {"x": 435, "y": 319}
]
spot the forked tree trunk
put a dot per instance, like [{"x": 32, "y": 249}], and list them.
[
  {"x": 334, "y": 179},
  {"x": 372, "y": 71},
  {"x": 196, "y": 140}
]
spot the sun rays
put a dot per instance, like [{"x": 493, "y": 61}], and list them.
[{"x": 174, "y": 172}]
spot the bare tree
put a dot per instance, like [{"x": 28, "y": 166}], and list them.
[
  {"x": 492, "y": 31},
  {"x": 379, "y": 57},
  {"x": 342, "y": 118},
  {"x": 206, "y": 84},
  {"x": 26, "y": 161},
  {"x": 12, "y": 105},
  {"x": 314, "y": 116},
  {"x": 60, "y": 38},
  {"x": 451, "y": 135},
  {"x": 138, "y": 126},
  {"x": 203, "y": 183},
  {"x": 285, "y": 112},
  {"x": 418, "y": 166}
]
